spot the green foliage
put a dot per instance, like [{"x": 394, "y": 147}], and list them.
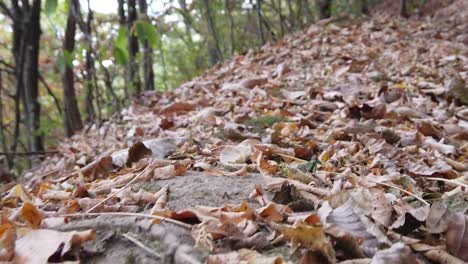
[
  {"x": 146, "y": 32},
  {"x": 264, "y": 121},
  {"x": 310, "y": 166},
  {"x": 50, "y": 6},
  {"x": 120, "y": 47},
  {"x": 65, "y": 60}
]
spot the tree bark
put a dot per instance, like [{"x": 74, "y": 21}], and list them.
[
  {"x": 292, "y": 21},
  {"x": 308, "y": 12},
  {"x": 404, "y": 9},
  {"x": 148, "y": 72},
  {"x": 324, "y": 7},
  {"x": 132, "y": 65},
  {"x": 72, "y": 118},
  {"x": 258, "y": 9},
  {"x": 32, "y": 108},
  {"x": 122, "y": 24},
  {"x": 214, "y": 51},
  {"x": 228, "y": 9}
]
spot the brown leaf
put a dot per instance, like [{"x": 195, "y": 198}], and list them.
[
  {"x": 457, "y": 236},
  {"x": 137, "y": 152}
]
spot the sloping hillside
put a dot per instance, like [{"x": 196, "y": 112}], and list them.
[{"x": 345, "y": 141}]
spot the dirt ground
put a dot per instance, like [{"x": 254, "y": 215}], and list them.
[{"x": 167, "y": 242}]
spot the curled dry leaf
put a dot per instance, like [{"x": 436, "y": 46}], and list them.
[
  {"x": 38, "y": 246},
  {"x": 397, "y": 253},
  {"x": 457, "y": 236},
  {"x": 244, "y": 256},
  {"x": 235, "y": 154},
  {"x": 311, "y": 237}
]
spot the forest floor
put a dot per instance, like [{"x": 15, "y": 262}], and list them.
[{"x": 346, "y": 142}]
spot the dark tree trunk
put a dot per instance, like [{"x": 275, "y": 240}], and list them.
[
  {"x": 324, "y": 7},
  {"x": 365, "y": 7},
  {"x": 258, "y": 9},
  {"x": 148, "y": 73},
  {"x": 291, "y": 15},
  {"x": 132, "y": 64},
  {"x": 279, "y": 11},
  {"x": 228, "y": 9},
  {"x": 214, "y": 51},
  {"x": 72, "y": 118},
  {"x": 308, "y": 12},
  {"x": 122, "y": 24},
  {"x": 31, "y": 38},
  {"x": 404, "y": 9}
]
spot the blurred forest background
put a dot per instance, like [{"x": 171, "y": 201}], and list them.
[{"x": 66, "y": 65}]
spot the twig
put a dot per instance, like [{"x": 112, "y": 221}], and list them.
[
  {"x": 57, "y": 103},
  {"x": 117, "y": 192},
  {"x": 402, "y": 190},
  {"x": 29, "y": 153},
  {"x": 290, "y": 157},
  {"x": 141, "y": 245},
  {"x": 161, "y": 218},
  {"x": 447, "y": 180}
]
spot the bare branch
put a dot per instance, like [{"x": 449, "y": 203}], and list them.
[{"x": 49, "y": 91}]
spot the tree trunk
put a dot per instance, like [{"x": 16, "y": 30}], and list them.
[
  {"x": 228, "y": 9},
  {"x": 292, "y": 21},
  {"x": 132, "y": 64},
  {"x": 32, "y": 109},
  {"x": 365, "y": 7},
  {"x": 308, "y": 12},
  {"x": 122, "y": 24},
  {"x": 258, "y": 9},
  {"x": 404, "y": 9},
  {"x": 148, "y": 73},
  {"x": 324, "y": 7},
  {"x": 72, "y": 118},
  {"x": 214, "y": 51}
]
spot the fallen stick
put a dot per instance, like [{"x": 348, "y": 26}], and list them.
[{"x": 161, "y": 218}]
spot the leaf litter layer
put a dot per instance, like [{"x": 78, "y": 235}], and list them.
[{"x": 346, "y": 142}]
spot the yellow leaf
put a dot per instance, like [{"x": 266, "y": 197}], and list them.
[
  {"x": 311, "y": 237},
  {"x": 31, "y": 215}
]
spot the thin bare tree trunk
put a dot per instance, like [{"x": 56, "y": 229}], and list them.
[
  {"x": 148, "y": 73},
  {"x": 404, "y": 9},
  {"x": 228, "y": 9},
  {"x": 258, "y": 9},
  {"x": 214, "y": 53},
  {"x": 122, "y": 22},
  {"x": 31, "y": 37},
  {"x": 308, "y": 12},
  {"x": 292, "y": 19},
  {"x": 324, "y": 7},
  {"x": 132, "y": 64},
  {"x": 71, "y": 118}
]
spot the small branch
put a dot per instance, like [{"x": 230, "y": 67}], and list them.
[
  {"x": 161, "y": 218},
  {"x": 6, "y": 10},
  {"x": 30, "y": 153},
  {"x": 49, "y": 91},
  {"x": 401, "y": 190},
  {"x": 449, "y": 181},
  {"x": 117, "y": 192},
  {"x": 142, "y": 246}
]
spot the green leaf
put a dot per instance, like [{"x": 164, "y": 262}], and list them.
[
  {"x": 120, "y": 55},
  {"x": 120, "y": 47},
  {"x": 50, "y": 6},
  {"x": 146, "y": 32},
  {"x": 121, "y": 39},
  {"x": 310, "y": 166}
]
